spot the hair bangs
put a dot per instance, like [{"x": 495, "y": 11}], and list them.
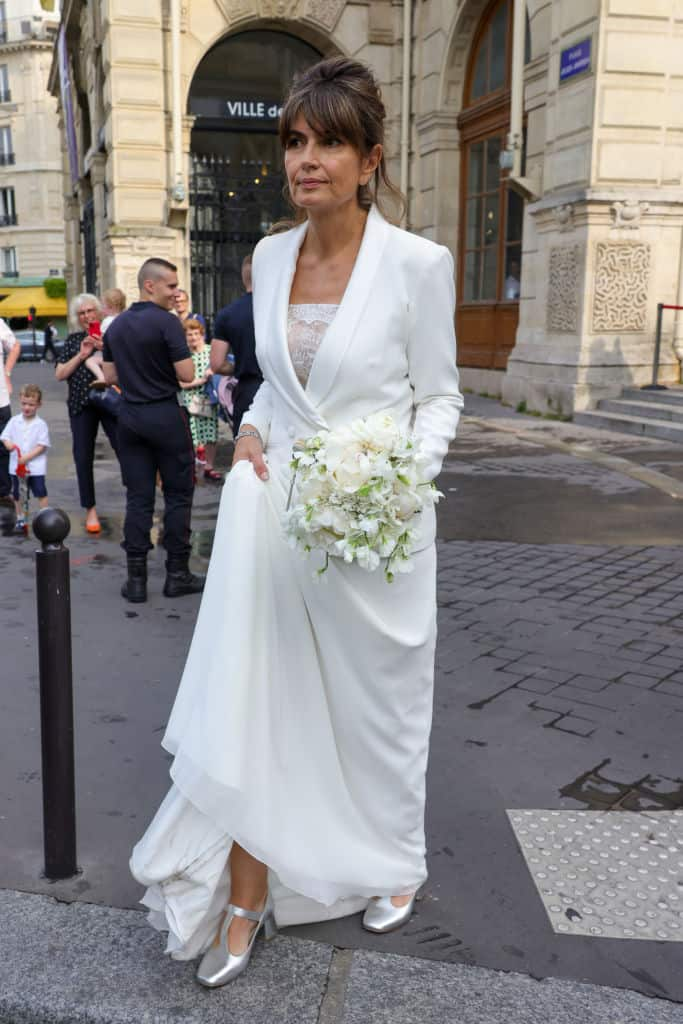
[{"x": 328, "y": 110}]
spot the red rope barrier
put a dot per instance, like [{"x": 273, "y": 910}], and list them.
[{"x": 664, "y": 306}]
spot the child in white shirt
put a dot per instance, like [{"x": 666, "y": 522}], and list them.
[{"x": 27, "y": 438}]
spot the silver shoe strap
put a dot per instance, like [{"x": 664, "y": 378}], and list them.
[{"x": 251, "y": 915}]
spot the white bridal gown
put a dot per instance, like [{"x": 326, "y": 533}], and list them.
[{"x": 303, "y": 735}]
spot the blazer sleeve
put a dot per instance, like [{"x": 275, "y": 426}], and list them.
[
  {"x": 260, "y": 412},
  {"x": 432, "y": 368}
]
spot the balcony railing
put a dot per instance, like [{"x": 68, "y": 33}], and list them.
[
  {"x": 7, "y": 220},
  {"x": 6, "y": 159},
  {"x": 39, "y": 27},
  {"x": 5, "y": 96}
]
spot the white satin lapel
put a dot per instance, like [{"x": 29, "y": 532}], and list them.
[
  {"x": 286, "y": 379},
  {"x": 339, "y": 334}
]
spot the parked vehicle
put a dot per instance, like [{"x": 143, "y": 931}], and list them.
[{"x": 29, "y": 353}]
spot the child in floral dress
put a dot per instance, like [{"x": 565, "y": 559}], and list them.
[{"x": 203, "y": 415}]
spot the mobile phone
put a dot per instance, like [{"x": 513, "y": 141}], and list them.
[{"x": 95, "y": 329}]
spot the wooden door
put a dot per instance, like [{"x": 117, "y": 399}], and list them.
[{"x": 490, "y": 242}]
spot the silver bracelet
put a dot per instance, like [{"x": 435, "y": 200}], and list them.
[{"x": 247, "y": 433}]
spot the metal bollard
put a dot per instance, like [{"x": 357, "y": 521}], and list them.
[{"x": 51, "y": 527}]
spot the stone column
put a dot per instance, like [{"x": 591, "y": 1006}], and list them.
[
  {"x": 134, "y": 64},
  {"x": 97, "y": 184},
  {"x": 73, "y": 269}
]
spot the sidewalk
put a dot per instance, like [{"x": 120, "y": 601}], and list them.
[
  {"x": 559, "y": 695},
  {"x": 80, "y": 964}
]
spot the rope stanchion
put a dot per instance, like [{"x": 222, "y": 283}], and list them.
[{"x": 654, "y": 386}]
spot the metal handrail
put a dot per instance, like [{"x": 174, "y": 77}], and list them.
[{"x": 654, "y": 386}]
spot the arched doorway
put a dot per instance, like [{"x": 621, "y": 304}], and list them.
[
  {"x": 490, "y": 242},
  {"x": 236, "y": 169}
]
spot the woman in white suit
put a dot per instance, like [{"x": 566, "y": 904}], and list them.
[{"x": 300, "y": 749}]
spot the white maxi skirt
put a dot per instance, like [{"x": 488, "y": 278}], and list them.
[{"x": 300, "y": 729}]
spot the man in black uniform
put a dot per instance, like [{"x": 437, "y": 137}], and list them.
[
  {"x": 145, "y": 351},
  {"x": 49, "y": 335},
  {"x": 234, "y": 332}
]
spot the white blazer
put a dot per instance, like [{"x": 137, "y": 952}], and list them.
[{"x": 390, "y": 347}]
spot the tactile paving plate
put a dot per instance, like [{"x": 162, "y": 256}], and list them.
[{"x": 609, "y": 874}]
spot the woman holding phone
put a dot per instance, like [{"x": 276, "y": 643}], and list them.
[{"x": 85, "y": 417}]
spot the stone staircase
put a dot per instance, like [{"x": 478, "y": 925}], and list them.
[{"x": 657, "y": 414}]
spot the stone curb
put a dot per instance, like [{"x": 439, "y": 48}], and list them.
[{"x": 76, "y": 963}]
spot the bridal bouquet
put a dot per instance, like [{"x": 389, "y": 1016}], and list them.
[{"x": 355, "y": 493}]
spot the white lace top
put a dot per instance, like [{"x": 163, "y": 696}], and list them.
[{"x": 306, "y": 327}]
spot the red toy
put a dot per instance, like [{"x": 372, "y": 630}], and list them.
[{"x": 23, "y": 474}]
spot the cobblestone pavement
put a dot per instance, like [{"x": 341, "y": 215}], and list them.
[{"x": 581, "y": 635}]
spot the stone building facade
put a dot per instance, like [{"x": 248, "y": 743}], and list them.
[
  {"x": 31, "y": 186},
  {"x": 173, "y": 152}
]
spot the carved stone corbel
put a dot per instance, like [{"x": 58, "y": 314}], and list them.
[
  {"x": 628, "y": 214},
  {"x": 564, "y": 217}
]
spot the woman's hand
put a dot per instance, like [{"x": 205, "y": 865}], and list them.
[
  {"x": 87, "y": 347},
  {"x": 250, "y": 449}
]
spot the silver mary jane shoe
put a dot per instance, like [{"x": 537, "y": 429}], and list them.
[
  {"x": 219, "y": 966},
  {"x": 382, "y": 916}
]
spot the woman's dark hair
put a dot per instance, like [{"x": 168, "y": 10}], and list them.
[{"x": 341, "y": 97}]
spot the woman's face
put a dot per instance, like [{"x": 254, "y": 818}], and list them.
[
  {"x": 325, "y": 172},
  {"x": 195, "y": 339},
  {"x": 181, "y": 303},
  {"x": 87, "y": 314}
]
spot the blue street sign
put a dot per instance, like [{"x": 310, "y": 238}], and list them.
[{"x": 575, "y": 60}]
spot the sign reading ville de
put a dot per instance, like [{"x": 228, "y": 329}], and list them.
[
  {"x": 255, "y": 110},
  {"x": 575, "y": 60}
]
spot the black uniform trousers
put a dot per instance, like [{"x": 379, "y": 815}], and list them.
[
  {"x": 156, "y": 436},
  {"x": 84, "y": 426},
  {"x": 5, "y": 482},
  {"x": 50, "y": 347}
]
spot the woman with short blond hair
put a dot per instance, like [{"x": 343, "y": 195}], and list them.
[{"x": 85, "y": 417}]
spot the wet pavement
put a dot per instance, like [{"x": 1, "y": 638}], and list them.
[{"x": 559, "y": 688}]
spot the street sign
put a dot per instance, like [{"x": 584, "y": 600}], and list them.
[{"x": 575, "y": 60}]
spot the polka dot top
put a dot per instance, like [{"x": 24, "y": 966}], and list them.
[{"x": 80, "y": 380}]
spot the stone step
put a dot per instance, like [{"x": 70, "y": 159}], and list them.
[
  {"x": 642, "y": 426},
  {"x": 651, "y": 410},
  {"x": 671, "y": 396}
]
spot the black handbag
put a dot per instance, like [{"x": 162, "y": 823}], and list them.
[{"x": 107, "y": 400}]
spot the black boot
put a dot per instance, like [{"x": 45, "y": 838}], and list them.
[
  {"x": 179, "y": 579},
  {"x": 135, "y": 587}
]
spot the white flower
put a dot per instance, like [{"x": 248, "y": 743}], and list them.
[{"x": 356, "y": 490}]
